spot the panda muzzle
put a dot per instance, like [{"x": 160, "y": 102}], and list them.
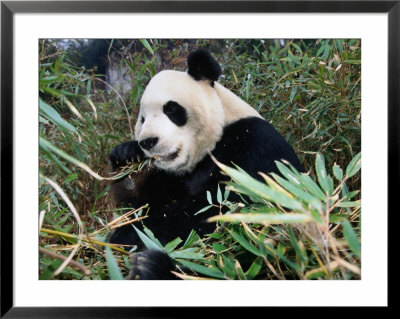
[{"x": 169, "y": 157}]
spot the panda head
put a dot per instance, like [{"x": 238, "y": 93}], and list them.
[{"x": 181, "y": 116}]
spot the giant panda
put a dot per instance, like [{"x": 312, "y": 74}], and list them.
[{"x": 185, "y": 117}]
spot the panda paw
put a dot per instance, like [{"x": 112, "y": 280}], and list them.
[
  {"x": 151, "y": 265},
  {"x": 124, "y": 153}
]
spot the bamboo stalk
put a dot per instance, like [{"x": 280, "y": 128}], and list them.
[
  {"x": 85, "y": 239},
  {"x": 74, "y": 263}
]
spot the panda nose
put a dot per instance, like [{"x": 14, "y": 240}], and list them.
[{"x": 148, "y": 143}]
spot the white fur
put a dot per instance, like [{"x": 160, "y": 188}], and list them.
[
  {"x": 234, "y": 107},
  {"x": 208, "y": 108}
]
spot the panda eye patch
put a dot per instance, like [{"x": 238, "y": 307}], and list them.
[{"x": 175, "y": 112}]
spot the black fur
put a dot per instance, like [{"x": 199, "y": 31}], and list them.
[
  {"x": 151, "y": 264},
  {"x": 175, "y": 112},
  {"x": 202, "y": 66},
  {"x": 251, "y": 143},
  {"x": 124, "y": 153}
]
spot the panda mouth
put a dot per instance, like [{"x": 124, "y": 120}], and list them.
[{"x": 169, "y": 157}]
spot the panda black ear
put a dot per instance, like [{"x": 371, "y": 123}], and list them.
[{"x": 202, "y": 66}]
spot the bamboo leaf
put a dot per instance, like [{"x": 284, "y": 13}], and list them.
[
  {"x": 260, "y": 189},
  {"x": 73, "y": 109},
  {"x": 211, "y": 272},
  {"x": 227, "y": 265},
  {"x": 49, "y": 112},
  {"x": 113, "y": 270},
  {"x": 296, "y": 191},
  {"x": 147, "y": 45},
  {"x": 352, "y": 61},
  {"x": 239, "y": 271},
  {"x": 172, "y": 245},
  {"x": 351, "y": 238},
  {"x": 246, "y": 244},
  {"x": 48, "y": 146},
  {"x": 219, "y": 195},
  {"x": 312, "y": 186},
  {"x": 254, "y": 269},
  {"x": 291, "y": 174},
  {"x": 147, "y": 241},
  {"x": 203, "y": 210},
  {"x": 337, "y": 172},
  {"x": 321, "y": 173},
  {"x": 300, "y": 255},
  {"x": 190, "y": 253},
  {"x": 354, "y": 165},
  {"x": 218, "y": 247},
  {"x": 356, "y": 203},
  {"x": 257, "y": 218},
  {"x": 209, "y": 198},
  {"x": 150, "y": 234},
  {"x": 191, "y": 239}
]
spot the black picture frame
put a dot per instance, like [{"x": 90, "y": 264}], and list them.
[{"x": 9, "y": 8}]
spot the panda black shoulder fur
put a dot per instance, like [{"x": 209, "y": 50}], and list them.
[{"x": 183, "y": 117}]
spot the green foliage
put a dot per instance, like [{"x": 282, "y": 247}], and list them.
[
  {"x": 306, "y": 231},
  {"x": 112, "y": 265},
  {"x": 309, "y": 89},
  {"x": 79, "y": 123},
  {"x": 293, "y": 226}
]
